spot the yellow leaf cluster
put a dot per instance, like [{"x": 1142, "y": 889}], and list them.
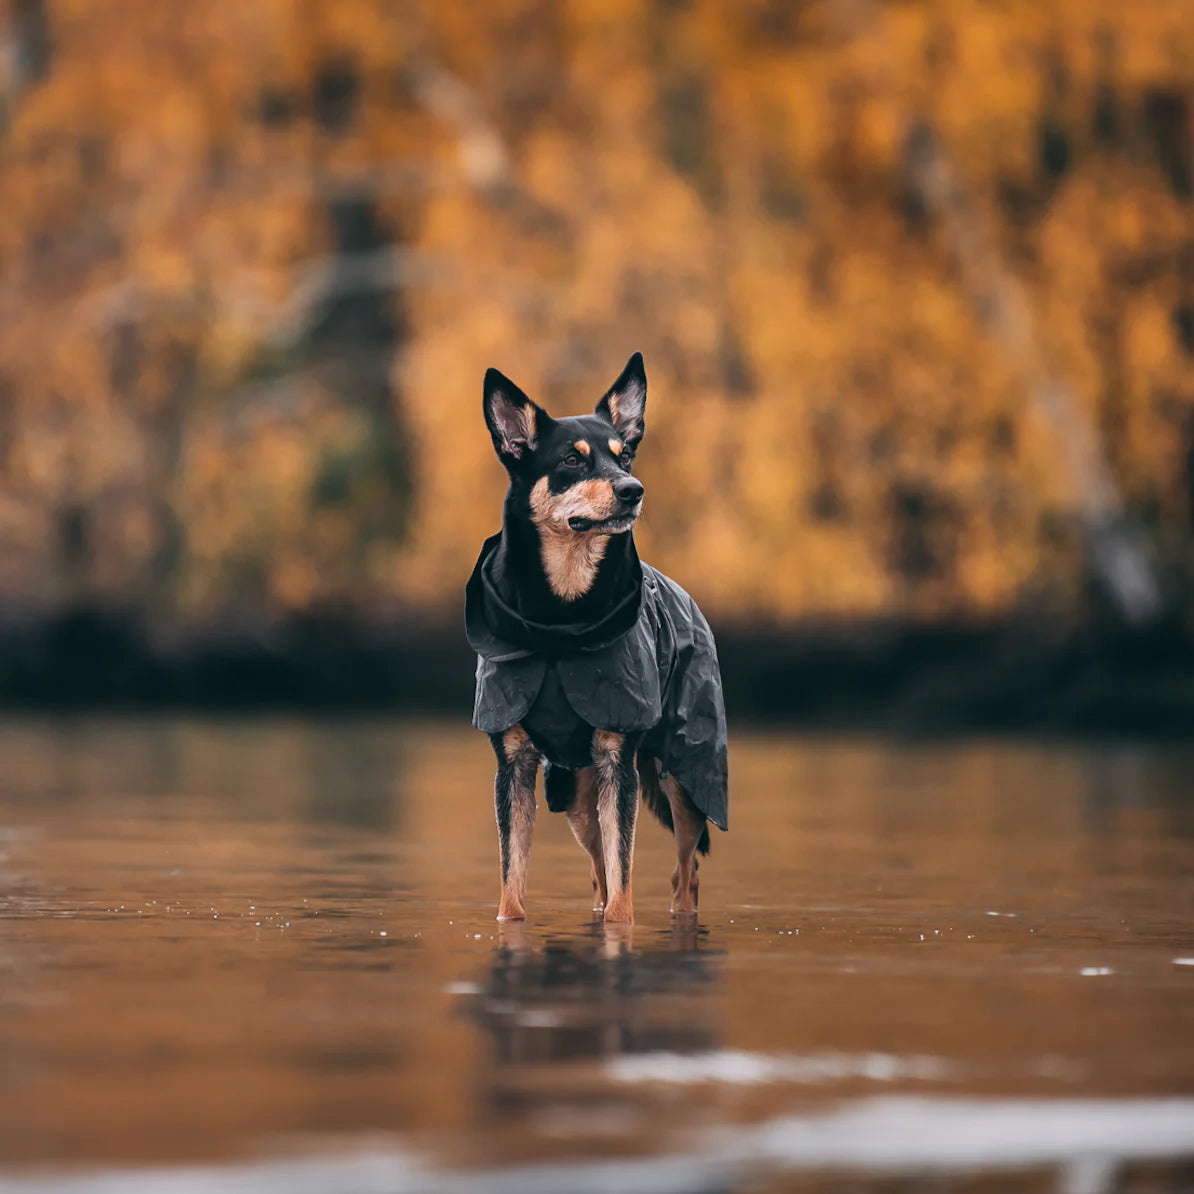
[{"x": 836, "y": 426}]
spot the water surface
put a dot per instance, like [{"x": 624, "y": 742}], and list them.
[{"x": 228, "y": 946}]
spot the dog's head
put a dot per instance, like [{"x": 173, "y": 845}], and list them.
[{"x": 574, "y": 472}]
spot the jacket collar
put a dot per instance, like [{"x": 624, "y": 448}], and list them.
[{"x": 497, "y": 630}]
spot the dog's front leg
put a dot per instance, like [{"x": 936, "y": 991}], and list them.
[
  {"x": 514, "y": 802},
  {"x": 586, "y": 828},
  {"x": 617, "y": 811}
]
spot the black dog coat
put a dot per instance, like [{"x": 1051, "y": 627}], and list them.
[{"x": 648, "y": 665}]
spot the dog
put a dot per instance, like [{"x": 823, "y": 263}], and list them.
[{"x": 590, "y": 664}]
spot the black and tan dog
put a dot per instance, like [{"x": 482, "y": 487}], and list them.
[{"x": 590, "y": 662}]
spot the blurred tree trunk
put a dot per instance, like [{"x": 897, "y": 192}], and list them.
[
  {"x": 352, "y": 338},
  {"x": 1120, "y": 553},
  {"x": 25, "y": 52}
]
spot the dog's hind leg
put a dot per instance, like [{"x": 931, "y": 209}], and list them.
[
  {"x": 514, "y": 803},
  {"x": 689, "y": 826},
  {"x": 586, "y": 828},
  {"x": 617, "y": 811}
]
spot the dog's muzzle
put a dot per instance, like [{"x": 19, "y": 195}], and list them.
[{"x": 616, "y": 524}]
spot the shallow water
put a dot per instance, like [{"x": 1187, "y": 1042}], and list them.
[{"x": 226, "y": 947}]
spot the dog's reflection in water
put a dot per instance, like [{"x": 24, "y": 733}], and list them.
[
  {"x": 599, "y": 996},
  {"x": 557, "y": 1012}
]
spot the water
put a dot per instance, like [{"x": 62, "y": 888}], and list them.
[{"x": 262, "y": 956}]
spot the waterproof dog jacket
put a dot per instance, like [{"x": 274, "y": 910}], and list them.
[{"x": 648, "y": 665}]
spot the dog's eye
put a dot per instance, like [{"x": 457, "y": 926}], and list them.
[
  {"x": 626, "y": 459},
  {"x": 572, "y": 460}
]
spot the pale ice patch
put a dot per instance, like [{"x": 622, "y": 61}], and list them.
[
  {"x": 903, "y": 1133},
  {"x": 1085, "y": 1140},
  {"x": 1095, "y": 971},
  {"x": 740, "y": 1068},
  {"x": 539, "y": 1018}
]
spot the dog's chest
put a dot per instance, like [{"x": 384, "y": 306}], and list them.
[
  {"x": 560, "y": 697},
  {"x": 556, "y": 728}
]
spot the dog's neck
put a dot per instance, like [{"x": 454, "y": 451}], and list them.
[{"x": 556, "y": 576}]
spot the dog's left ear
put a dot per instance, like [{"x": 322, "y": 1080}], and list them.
[{"x": 625, "y": 404}]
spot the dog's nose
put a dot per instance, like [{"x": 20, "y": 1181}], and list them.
[{"x": 628, "y": 490}]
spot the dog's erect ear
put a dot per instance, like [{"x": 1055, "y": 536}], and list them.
[
  {"x": 514, "y": 421},
  {"x": 625, "y": 404}
]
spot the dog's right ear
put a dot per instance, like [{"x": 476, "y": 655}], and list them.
[
  {"x": 514, "y": 421},
  {"x": 625, "y": 402}
]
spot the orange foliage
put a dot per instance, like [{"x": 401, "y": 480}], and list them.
[{"x": 194, "y": 386}]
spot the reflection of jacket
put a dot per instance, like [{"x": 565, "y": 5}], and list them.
[{"x": 649, "y": 664}]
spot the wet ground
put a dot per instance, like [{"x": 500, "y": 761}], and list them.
[{"x": 262, "y": 956}]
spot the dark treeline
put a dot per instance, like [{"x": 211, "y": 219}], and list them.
[{"x": 904, "y": 678}]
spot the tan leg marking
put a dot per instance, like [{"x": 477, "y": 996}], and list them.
[
  {"x": 687, "y": 823},
  {"x": 523, "y": 759},
  {"x": 616, "y": 815},
  {"x": 586, "y": 828}
]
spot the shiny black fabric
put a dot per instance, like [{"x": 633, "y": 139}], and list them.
[{"x": 648, "y": 665}]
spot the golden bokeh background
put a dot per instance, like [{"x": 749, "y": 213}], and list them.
[{"x": 914, "y": 281}]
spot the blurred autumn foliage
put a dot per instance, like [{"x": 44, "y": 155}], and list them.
[{"x": 914, "y": 281}]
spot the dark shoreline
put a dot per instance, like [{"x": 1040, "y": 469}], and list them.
[{"x": 1012, "y": 677}]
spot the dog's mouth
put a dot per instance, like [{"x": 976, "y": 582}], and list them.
[{"x": 616, "y": 525}]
